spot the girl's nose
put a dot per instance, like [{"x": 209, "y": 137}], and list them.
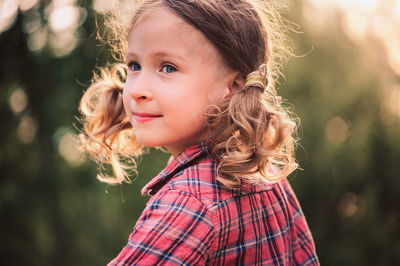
[{"x": 139, "y": 89}]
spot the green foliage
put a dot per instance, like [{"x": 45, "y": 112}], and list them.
[{"x": 55, "y": 212}]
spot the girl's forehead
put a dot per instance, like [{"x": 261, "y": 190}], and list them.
[
  {"x": 161, "y": 23},
  {"x": 160, "y": 14}
]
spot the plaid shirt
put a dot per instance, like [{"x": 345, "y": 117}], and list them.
[{"x": 192, "y": 219}]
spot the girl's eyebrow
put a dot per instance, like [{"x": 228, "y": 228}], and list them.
[{"x": 159, "y": 54}]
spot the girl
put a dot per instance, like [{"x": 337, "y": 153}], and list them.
[{"x": 199, "y": 81}]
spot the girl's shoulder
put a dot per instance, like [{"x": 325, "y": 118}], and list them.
[{"x": 195, "y": 172}]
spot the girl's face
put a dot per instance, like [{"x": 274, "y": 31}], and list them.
[{"x": 174, "y": 74}]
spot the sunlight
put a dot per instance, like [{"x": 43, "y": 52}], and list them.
[
  {"x": 18, "y": 101},
  {"x": 63, "y": 44},
  {"x": 27, "y": 128},
  {"x": 25, "y": 5},
  {"x": 32, "y": 22},
  {"x": 355, "y": 25},
  {"x": 8, "y": 14},
  {"x": 37, "y": 40},
  {"x": 372, "y": 24},
  {"x": 349, "y": 204},
  {"x": 367, "y": 5},
  {"x": 64, "y": 18},
  {"x": 104, "y": 5},
  {"x": 57, "y": 3},
  {"x": 397, "y": 10},
  {"x": 67, "y": 148},
  {"x": 337, "y": 130},
  {"x": 394, "y": 50}
]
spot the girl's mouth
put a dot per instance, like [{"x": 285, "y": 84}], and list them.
[{"x": 144, "y": 117}]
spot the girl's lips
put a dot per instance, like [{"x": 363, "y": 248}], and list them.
[{"x": 144, "y": 117}]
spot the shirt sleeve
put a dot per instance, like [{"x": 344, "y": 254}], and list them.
[{"x": 174, "y": 229}]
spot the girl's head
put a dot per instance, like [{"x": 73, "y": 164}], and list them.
[
  {"x": 194, "y": 69},
  {"x": 174, "y": 73}
]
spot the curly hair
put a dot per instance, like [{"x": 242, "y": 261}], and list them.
[{"x": 253, "y": 132}]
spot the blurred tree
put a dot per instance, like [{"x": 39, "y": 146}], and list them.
[
  {"x": 349, "y": 185},
  {"x": 54, "y": 211}
]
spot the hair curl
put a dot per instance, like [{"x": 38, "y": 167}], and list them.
[{"x": 253, "y": 133}]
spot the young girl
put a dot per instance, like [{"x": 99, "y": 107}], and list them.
[{"x": 199, "y": 81}]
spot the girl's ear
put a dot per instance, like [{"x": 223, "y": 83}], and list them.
[
  {"x": 233, "y": 82},
  {"x": 236, "y": 82}
]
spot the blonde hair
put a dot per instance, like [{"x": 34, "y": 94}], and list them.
[{"x": 253, "y": 133}]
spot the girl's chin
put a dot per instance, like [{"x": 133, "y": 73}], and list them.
[{"x": 145, "y": 141}]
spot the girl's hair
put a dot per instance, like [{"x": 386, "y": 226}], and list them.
[{"x": 253, "y": 133}]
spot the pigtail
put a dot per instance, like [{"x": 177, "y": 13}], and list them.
[
  {"x": 254, "y": 134},
  {"x": 107, "y": 134}
]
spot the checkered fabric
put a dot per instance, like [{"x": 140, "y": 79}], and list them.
[{"x": 192, "y": 219}]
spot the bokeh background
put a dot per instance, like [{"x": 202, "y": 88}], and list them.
[{"x": 344, "y": 85}]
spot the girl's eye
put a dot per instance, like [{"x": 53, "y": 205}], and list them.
[
  {"x": 135, "y": 66},
  {"x": 168, "y": 69}
]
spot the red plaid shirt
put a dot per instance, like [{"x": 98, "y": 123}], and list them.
[{"x": 192, "y": 219}]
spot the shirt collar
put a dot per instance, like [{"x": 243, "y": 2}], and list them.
[{"x": 185, "y": 158}]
